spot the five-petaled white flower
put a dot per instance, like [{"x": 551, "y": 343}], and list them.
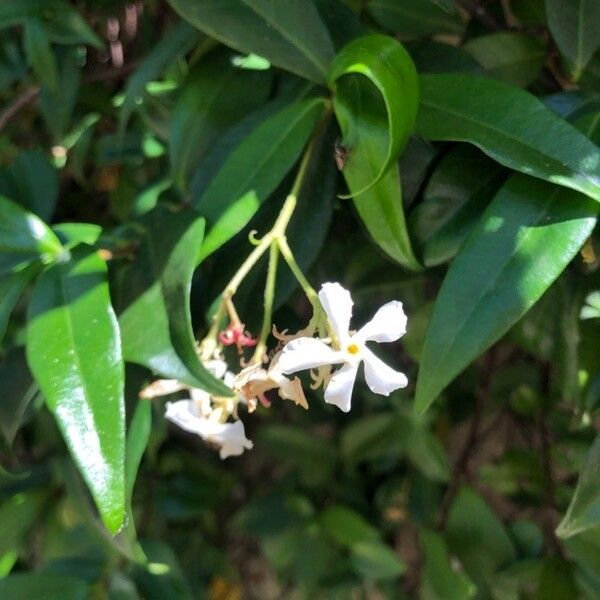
[
  {"x": 388, "y": 325},
  {"x": 230, "y": 437}
]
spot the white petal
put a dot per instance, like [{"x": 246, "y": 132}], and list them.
[
  {"x": 307, "y": 353},
  {"x": 337, "y": 303},
  {"x": 186, "y": 415},
  {"x": 162, "y": 387},
  {"x": 217, "y": 367},
  {"x": 339, "y": 389},
  {"x": 387, "y": 325},
  {"x": 381, "y": 378},
  {"x": 232, "y": 439}
]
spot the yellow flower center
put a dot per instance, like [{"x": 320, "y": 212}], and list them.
[{"x": 352, "y": 349}]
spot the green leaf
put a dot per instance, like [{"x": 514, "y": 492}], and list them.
[
  {"x": 526, "y": 237},
  {"x": 515, "y": 58},
  {"x": 291, "y": 35},
  {"x": 556, "y": 580},
  {"x": 40, "y": 54},
  {"x": 455, "y": 196},
  {"x": 43, "y": 586},
  {"x": 441, "y": 579},
  {"x": 18, "y": 390},
  {"x": 24, "y": 238},
  {"x": 374, "y": 561},
  {"x": 32, "y": 182},
  {"x": 18, "y": 514},
  {"x": 575, "y": 27},
  {"x": 584, "y": 511},
  {"x": 74, "y": 352},
  {"x": 415, "y": 18},
  {"x": 73, "y": 234},
  {"x": 362, "y": 115},
  {"x": 477, "y": 537},
  {"x": 346, "y": 526},
  {"x": 177, "y": 42},
  {"x": 254, "y": 169},
  {"x": 389, "y": 68},
  {"x": 138, "y": 434},
  {"x": 11, "y": 288},
  {"x": 154, "y": 306},
  {"x": 529, "y": 137},
  {"x": 209, "y": 104}
]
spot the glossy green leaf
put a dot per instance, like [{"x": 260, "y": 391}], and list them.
[
  {"x": 415, "y": 18},
  {"x": 32, "y": 182},
  {"x": 389, "y": 68},
  {"x": 441, "y": 580},
  {"x": 584, "y": 511},
  {"x": 460, "y": 188},
  {"x": 575, "y": 27},
  {"x": 154, "y": 299},
  {"x": 208, "y": 105},
  {"x": 254, "y": 169},
  {"x": 43, "y": 586},
  {"x": 40, "y": 54},
  {"x": 512, "y": 57},
  {"x": 18, "y": 390},
  {"x": 73, "y": 234},
  {"x": 362, "y": 116},
  {"x": 177, "y": 42},
  {"x": 526, "y": 237},
  {"x": 24, "y": 238},
  {"x": 528, "y": 137},
  {"x": 290, "y": 35},
  {"x": 74, "y": 352}
]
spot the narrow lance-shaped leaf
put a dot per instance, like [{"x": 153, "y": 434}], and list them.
[
  {"x": 154, "y": 299},
  {"x": 254, "y": 169},
  {"x": 11, "y": 288},
  {"x": 176, "y": 42},
  {"x": 575, "y": 26},
  {"x": 387, "y": 65},
  {"x": 289, "y": 34},
  {"x": 361, "y": 111},
  {"x": 511, "y": 126},
  {"x": 74, "y": 351},
  {"x": 527, "y": 236},
  {"x": 24, "y": 238}
]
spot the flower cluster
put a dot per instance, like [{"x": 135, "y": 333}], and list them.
[{"x": 333, "y": 357}]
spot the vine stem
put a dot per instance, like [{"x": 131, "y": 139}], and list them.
[{"x": 261, "y": 347}]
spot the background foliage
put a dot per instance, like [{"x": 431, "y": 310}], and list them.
[{"x": 452, "y": 162}]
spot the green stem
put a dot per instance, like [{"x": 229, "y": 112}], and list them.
[
  {"x": 288, "y": 256},
  {"x": 268, "y": 304}
]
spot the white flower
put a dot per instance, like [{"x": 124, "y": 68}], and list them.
[
  {"x": 388, "y": 325},
  {"x": 230, "y": 437}
]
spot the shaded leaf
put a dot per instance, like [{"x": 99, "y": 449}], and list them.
[
  {"x": 346, "y": 526},
  {"x": 74, "y": 352},
  {"x": 375, "y": 561},
  {"x": 11, "y": 288},
  {"x": 43, "y": 586},
  {"x": 291, "y": 35}
]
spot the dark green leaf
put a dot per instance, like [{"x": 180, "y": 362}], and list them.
[
  {"x": 346, "y": 526},
  {"x": 389, "y": 68},
  {"x": 526, "y": 237},
  {"x": 11, "y": 288},
  {"x": 375, "y": 561},
  {"x": 176, "y": 42},
  {"x": 32, "y": 181},
  {"x": 17, "y": 516},
  {"x": 575, "y": 26},
  {"x": 73, "y": 350},
  {"x": 154, "y": 299},
  {"x": 43, "y": 586},
  {"x": 460, "y": 188},
  {"x": 441, "y": 579},
  {"x": 528, "y": 137},
  {"x": 254, "y": 169},
  {"x": 24, "y": 238},
  {"x": 138, "y": 434},
  {"x": 415, "y": 18},
  {"x": 40, "y": 55},
  {"x": 361, "y": 113},
  {"x": 434, "y": 57},
  {"x": 18, "y": 390},
  {"x": 209, "y": 104},
  {"x": 556, "y": 581},
  {"x": 289, "y": 35},
  {"x": 584, "y": 510},
  {"x": 512, "y": 57}
]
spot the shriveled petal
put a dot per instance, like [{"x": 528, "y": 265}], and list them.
[
  {"x": 381, "y": 378},
  {"x": 387, "y": 325},
  {"x": 162, "y": 387},
  {"x": 307, "y": 353},
  {"x": 341, "y": 384},
  {"x": 337, "y": 303}
]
